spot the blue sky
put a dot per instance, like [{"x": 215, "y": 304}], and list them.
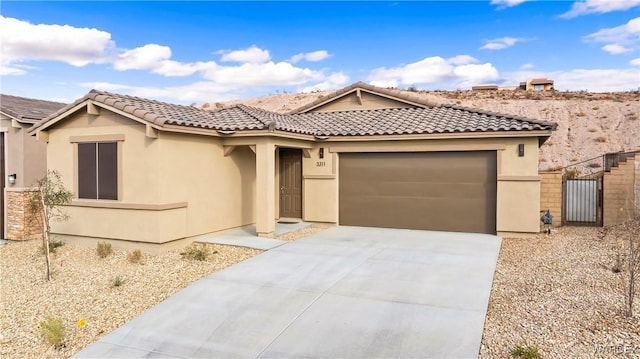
[{"x": 195, "y": 52}]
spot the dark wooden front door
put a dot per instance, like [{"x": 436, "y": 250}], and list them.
[
  {"x": 290, "y": 183},
  {"x": 2, "y": 174}
]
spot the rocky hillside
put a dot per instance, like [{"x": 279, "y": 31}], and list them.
[{"x": 589, "y": 124}]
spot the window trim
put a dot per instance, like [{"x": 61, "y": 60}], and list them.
[{"x": 118, "y": 139}]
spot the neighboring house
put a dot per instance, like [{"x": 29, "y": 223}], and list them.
[
  {"x": 22, "y": 161},
  {"x": 488, "y": 87},
  {"x": 541, "y": 84},
  {"x": 147, "y": 172}
]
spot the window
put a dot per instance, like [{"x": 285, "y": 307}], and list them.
[
  {"x": 538, "y": 87},
  {"x": 98, "y": 170}
]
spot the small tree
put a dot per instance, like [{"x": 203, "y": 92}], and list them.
[
  {"x": 633, "y": 266},
  {"x": 632, "y": 233},
  {"x": 45, "y": 205}
]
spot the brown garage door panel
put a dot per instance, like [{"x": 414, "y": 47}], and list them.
[{"x": 450, "y": 191}]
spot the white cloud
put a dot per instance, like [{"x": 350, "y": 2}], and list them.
[
  {"x": 253, "y": 54},
  {"x": 501, "y": 43},
  {"x": 594, "y": 80},
  {"x": 7, "y": 70},
  {"x": 527, "y": 66},
  {"x": 462, "y": 60},
  {"x": 146, "y": 57},
  {"x": 391, "y": 83},
  {"x": 199, "y": 92},
  {"x": 598, "y": 7},
  {"x": 623, "y": 33},
  {"x": 22, "y": 41},
  {"x": 333, "y": 82},
  {"x": 310, "y": 56},
  {"x": 507, "y": 3},
  {"x": 635, "y": 62},
  {"x": 619, "y": 39},
  {"x": 434, "y": 70},
  {"x": 615, "y": 49},
  {"x": 476, "y": 72},
  {"x": 156, "y": 58},
  {"x": 267, "y": 74}
]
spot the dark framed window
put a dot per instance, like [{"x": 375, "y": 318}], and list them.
[{"x": 98, "y": 170}]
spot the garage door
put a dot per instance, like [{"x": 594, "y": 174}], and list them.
[{"x": 443, "y": 191}]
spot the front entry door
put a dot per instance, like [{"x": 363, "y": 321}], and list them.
[{"x": 290, "y": 183}]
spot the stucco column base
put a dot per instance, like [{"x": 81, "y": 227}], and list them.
[
  {"x": 266, "y": 234},
  {"x": 265, "y": 188}
]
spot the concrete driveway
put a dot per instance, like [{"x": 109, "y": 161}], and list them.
[{"x": 346, "y": 292}]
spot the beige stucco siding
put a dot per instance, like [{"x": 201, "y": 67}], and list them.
[
  {"x": 366, "y": 101},
  {"x": 320, "y": 191},
  {"x": 518, "y": 187},
  {"x": 26, "y": 157},
  {"x": 172, "y": 187},
  {"x": 220, "y": 190}
]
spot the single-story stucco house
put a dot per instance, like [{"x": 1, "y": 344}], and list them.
[
  {"x": 23, "y": 161},
  {"x": 147, "y": 172}
]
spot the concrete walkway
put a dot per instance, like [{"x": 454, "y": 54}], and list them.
[
  {"x": 346, "y": 292},
  {"x": 247, "y": 236}
]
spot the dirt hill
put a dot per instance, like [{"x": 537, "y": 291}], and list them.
[{"x": 589, "y": 124}]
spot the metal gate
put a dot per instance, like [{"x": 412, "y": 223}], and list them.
[{"x": 582, "y": 201}]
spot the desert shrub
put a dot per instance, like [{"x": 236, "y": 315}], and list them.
[
  {"x": 196, "y": 252},
  {"x": 135, "y": 256},
  {"x": 104, "y": 249},
  {"x": 117, "y": 281},
  {"x": 52, "y": 330},
  {"x": 525, "y": 351},
  {"x": 572, "y": 173},
  {"x": 593, "y": 129},
  {"x": 53, "y": 245},
  {"x": 602, "y": 139},
  {"x": 617, "y": 265},
  {"x": 581, "y": 114}
]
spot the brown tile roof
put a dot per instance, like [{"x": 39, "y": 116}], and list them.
[
  {"x": 27, "y": 110},
  {"x": 401, "y": 121},
  {"x": 393, "y": 121},
  {"x": 399, "y": 94}
]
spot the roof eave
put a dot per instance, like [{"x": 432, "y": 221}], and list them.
[
  {"x": 58, "y": 116},
  {"x": 444, "y": 135}
]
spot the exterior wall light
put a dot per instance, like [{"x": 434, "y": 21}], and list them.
[
  {"x": 321, "y": 152},
  {"x": 521, "y": 150},
  {"x": 12, "y": 178}
]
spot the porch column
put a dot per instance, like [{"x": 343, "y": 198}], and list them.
[{"x": 265, "y": 189}]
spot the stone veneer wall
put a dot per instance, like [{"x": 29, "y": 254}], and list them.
[
  {"x": 551, "y": 195},
  {"x": 21, "y": 225},
  {"x": 619, "y": 192}
]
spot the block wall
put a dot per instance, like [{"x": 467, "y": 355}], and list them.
[
  {"x": 551, "y": 195},
  {"x": 619, "y": 192}
]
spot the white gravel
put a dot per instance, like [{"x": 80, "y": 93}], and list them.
[
  {"x": 559, "y": 293},
  {"x": 82, "y": 288}
]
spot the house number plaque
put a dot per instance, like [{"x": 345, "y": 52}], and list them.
[{"x": 320, "y": 163}]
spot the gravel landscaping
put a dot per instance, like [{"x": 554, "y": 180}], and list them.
[
  {"x": 559, "y": 293},
  {"x": 82, "y": 288}
]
